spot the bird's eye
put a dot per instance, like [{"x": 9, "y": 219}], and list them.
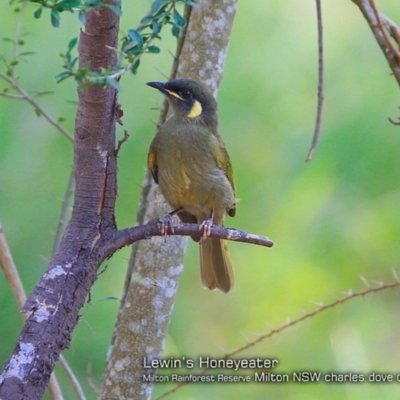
[{"x": 186, "y": 94}]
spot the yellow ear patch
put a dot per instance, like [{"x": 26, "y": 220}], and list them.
[{"x": 196, "y": 110}]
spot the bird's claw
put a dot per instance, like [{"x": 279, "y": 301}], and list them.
[
  {"x": 165, "y": 225},
  {"x": 206, "y": 226}
]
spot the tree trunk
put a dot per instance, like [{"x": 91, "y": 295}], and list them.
[
  {"x": 56, "y": 300},
  {"x": 156, "y": 264}
]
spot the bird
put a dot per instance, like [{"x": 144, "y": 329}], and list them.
[{"x": 189, "y": 162}]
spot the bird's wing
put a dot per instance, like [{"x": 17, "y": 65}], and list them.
[
  {"x": 224, "y": 162},
  {"x": 152, "y": 162}
]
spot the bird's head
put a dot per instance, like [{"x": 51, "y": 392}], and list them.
[{"x": 190, "y": 100}]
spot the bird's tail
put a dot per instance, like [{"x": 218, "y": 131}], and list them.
[{"x": 216, "y": 265}]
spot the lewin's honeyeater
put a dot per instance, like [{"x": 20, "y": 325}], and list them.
[{"x": 189, "y": 161}]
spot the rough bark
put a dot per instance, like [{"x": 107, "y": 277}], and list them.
[
  {"x": 55, "y": 302},
  {"x": 381, "y": 28},
  {"x": 156, "y": 264}
]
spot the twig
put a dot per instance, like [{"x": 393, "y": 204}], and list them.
[
  {"x": 317, "y": 129},
  {"x": 25, "y": 96},
  {"x": 393, "y": 121},
  {"x": 72, "y": 377},
  {"x": 392, "y": 28},
  {"x": 122, "y": 141},
  {"x": 11, "y": 79},
  {"x": 19, "y": 29},
  {"x": 369, "y": 12},
  {"x": 10, "y": 271},
  {"x": 349, "y": 296},
  {"x": 388, "y": 42},
  {"x": 90, "y": 381}
]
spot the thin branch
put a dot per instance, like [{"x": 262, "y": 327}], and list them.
[
  {"x": 11, "y": 79},
  {"x": 392, "y": 28},
  {"x": 10, "y": 271},
  {"x": 25, "y": 96},
  {"x": 388, "y": 42},
  {"x": 128, "y": 236},
  {"x": 317, "y": 129},
  {"x": 18, "y": 31},
  {"x": 391, "y": 120},
  {"x": 122, "y": 141},
  {"x": 369, "y": 11},
  {"x": 11, "y": 96},
  {"x": 72, "y": 377},
  {"x": 349, "y": 296},
  {"x": 89, "y": 376}
]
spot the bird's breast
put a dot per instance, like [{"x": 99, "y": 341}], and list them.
[{"x": 189, "y": 176}]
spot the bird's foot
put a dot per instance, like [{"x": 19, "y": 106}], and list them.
[
  {"x": 206, "y": 226},
  {"x": 166, "y": 225}
]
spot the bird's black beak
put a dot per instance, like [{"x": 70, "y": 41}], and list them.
[
  {"x": 157, "y": 85},
  {"x": 163, "y": 88}
]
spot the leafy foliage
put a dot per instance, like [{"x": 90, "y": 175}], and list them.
[
  {"x": 136, "y": 42},
  {"x": 80, "y": 6}
]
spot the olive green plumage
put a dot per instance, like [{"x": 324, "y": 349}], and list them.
[{"x": 189, "y": 161}]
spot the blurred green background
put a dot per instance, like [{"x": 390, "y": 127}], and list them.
[{"x": 333, "y": 220}]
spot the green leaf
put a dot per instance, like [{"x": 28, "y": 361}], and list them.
[
  {"x": 145, "y": 20},
  {"x": 110, "y": 298},
  {"x": 133, "y": 50},
  {"x": 27, "y": 53},
  {"x": 161, "y": 12},
  {"x": 43, "y": 93},
  {"x": 82, "y": 17},
  {"x": 62, "y": 75},
  {"x": 178, "y": 19},
  {"x": 114, "y": 83},
  {"x": 38, "y": 12},
  {"x": 190, "y": 3},
  {"x": 102, "y": 82},
  {"x": 93, "y": 3},
  {"x": 38, "y": 113},
  {"x": 157, "y": 4},
  {"x": 64, "y": 5},
  {"x": 72, "y": 43},
  {"x": 156, "y": 27},
  {"x": 117, "y": 10},
  {"x": 176, "y": 30},
  {"x": 135, "y": 37},
  {"x": 135, "y": 66},
  {"x": 55, "y": 18},
  {"x": 153, "y": 49}
]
